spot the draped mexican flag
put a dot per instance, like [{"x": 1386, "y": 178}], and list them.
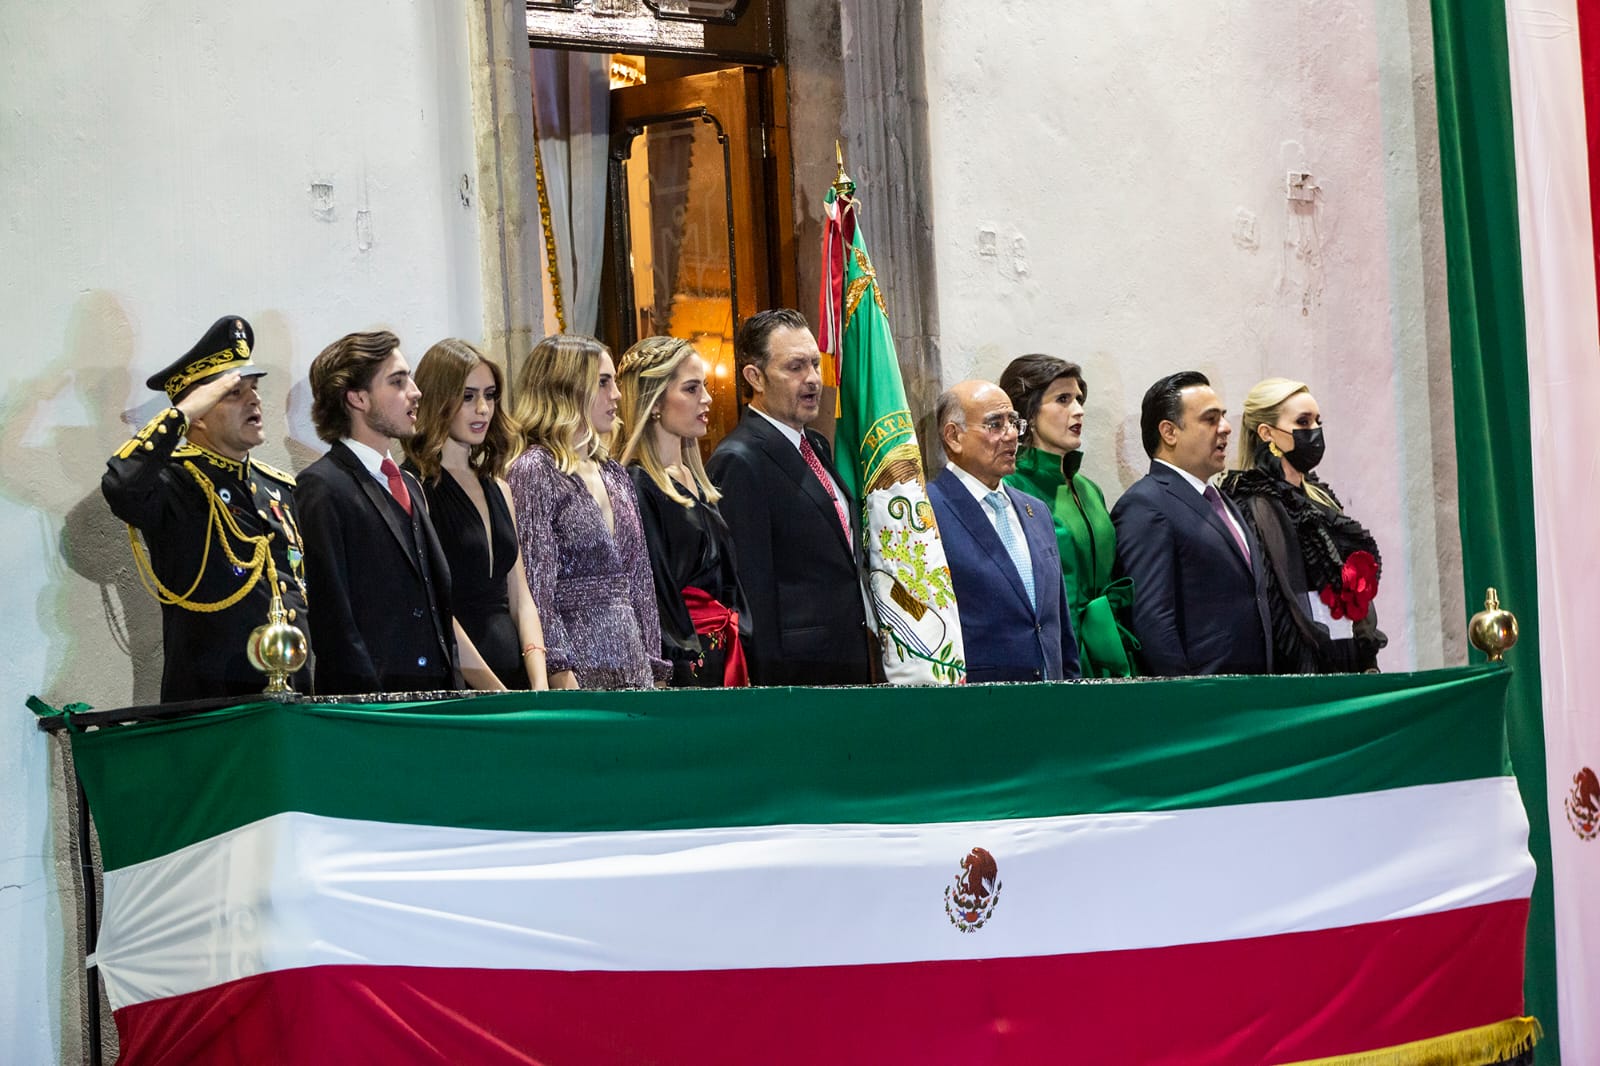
[
  {"x": 1208, "y": 871},
  {"x": 875, "y": 449},
  {"x": 1519, "y": 125}
]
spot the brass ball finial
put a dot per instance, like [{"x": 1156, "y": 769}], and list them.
[
  {"x": 1493, "y": 630},
  {"x": 277, "y": 649}
]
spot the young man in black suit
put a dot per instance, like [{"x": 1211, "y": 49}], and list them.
[
  {"x": 373, "y": 562},
  {"x": 796, "y": 531},
  {"x": 1199, "y": 588}
]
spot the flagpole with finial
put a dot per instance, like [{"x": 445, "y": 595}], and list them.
[{"x": 842, "y": 185}]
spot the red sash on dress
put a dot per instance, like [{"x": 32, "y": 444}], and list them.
[{"x": 712, "y": 619}]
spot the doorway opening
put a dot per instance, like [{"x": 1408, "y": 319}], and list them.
[{"x": 664, "y": 201}]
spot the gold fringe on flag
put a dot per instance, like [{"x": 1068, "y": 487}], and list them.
[{"x": 1483, "y": 1046}]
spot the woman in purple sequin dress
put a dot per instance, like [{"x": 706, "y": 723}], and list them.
[{"x": 578, "y": 523}]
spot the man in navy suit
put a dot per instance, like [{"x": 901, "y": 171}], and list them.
[
  {"x": 1199, "y": 586},
  {"x": 1000, "y": 544}
]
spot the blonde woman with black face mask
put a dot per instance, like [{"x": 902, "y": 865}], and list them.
[{"x": 1322, "y": 565}]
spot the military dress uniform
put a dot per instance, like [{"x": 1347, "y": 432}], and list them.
[{"x": 202, "y": 516}]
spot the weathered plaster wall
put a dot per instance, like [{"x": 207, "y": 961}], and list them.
[
  {"x": 299, "y": 163},
  {"x": 1109, "y": 186}
]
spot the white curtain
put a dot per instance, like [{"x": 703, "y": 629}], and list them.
[{"x": 572, "y": 105}]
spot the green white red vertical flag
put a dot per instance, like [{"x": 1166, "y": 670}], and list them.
[
  {"x": 875, "y": 446},
  {"x": 1519, "y": 127},
  {"x": 1554, "y": 50}
]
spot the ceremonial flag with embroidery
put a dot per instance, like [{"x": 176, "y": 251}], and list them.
[
  {"x": 875, "y": 448},
  {"x": 1208, "y": 872}
]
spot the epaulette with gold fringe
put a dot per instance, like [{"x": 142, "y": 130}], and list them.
[
  {"x": 273, "y": 472},
  {"x": 170, "y": 420}
]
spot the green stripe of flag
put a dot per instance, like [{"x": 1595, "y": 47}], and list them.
[
  {"x": 1489, "y": 359},
  {"x": 580, "y": 762}
]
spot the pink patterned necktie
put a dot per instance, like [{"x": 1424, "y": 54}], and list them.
[
  {"x": 809, "y": 454},
  {"x": 1215, "y": 499}
]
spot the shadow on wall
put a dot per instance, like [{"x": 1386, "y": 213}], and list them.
[
  {"x": 295, "y": 439},
  {"x": 54, "y": 466}
]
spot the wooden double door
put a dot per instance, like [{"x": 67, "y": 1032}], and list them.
[{"x": 699, "y": 235}]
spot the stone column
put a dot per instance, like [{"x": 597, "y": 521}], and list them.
[
  {"x": 856, "y": 74},
  {"x": 507, "y": 201}
]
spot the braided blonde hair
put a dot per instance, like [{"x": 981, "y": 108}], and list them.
[{"x": 644, "y": 375}]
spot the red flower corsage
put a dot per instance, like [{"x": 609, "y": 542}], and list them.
[{"x": 1358, "y": 581}]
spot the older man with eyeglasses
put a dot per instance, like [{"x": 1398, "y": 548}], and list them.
[{"x": 1000, "y": 544}]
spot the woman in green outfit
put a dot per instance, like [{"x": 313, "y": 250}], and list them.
[{"x": 1049, "y": 393}]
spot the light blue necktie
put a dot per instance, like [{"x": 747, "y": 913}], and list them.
[{"x": 1002, "y": 525}]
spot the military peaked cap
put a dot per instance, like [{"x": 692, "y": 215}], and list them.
[{"x": 225, "y": 347}]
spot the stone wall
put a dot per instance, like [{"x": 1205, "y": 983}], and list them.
[{"x": 307, "y": 165}]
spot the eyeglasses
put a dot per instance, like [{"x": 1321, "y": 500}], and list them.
[{"x": 996, "y": 425}]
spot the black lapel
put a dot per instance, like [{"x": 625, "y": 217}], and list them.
[
  {"x": 380, "y": 499},
  {"x": 787, "y": 458}
]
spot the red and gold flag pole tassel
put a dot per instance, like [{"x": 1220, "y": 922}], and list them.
[
  {"x": 1486, "y": 1045},
  {"x": 830, "y": 305}
]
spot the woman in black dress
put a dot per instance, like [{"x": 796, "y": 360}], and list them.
[
  {"x": 1322, "y": 565},
  {"x": 665, "y": 405},
  {"x": 463, "y": 444}
]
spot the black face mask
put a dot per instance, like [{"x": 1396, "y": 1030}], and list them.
[{"x": 1308, "y": 449}]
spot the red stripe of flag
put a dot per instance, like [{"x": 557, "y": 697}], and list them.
[
  {"x": 1271, "y": 999},
  {"x": 1589, "y": 44}
]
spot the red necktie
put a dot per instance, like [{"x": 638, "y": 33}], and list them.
[
  {"x": 397, "y": 484},
  {"x": 809, "y": 454}
]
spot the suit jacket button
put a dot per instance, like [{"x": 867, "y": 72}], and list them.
[
  {"x": 1038, "y": 627},
  {"x": 416, "y": 612},
  {"x": 422, "y": 660},
  {"x": 1036, "y": 675}
]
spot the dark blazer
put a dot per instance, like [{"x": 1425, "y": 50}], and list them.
[
  {"x": 384, "y": 623},
  {"x": 1006, "y": 638},
  {"x": 1198, "y": 607},
  {"x": 800, "y": 576}
]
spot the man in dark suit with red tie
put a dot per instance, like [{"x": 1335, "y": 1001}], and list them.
[
  {"x": 373, "y": 561},
  {"x": 1199, "y": 586},
  {"x": 796, "y": 531}
]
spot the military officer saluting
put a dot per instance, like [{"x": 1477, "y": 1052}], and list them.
[{"x": 220, "y": 526}]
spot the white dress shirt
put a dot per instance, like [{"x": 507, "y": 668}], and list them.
[
  {"x": 979, "y": 490},
  {"x": 370, "y": 458}
]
